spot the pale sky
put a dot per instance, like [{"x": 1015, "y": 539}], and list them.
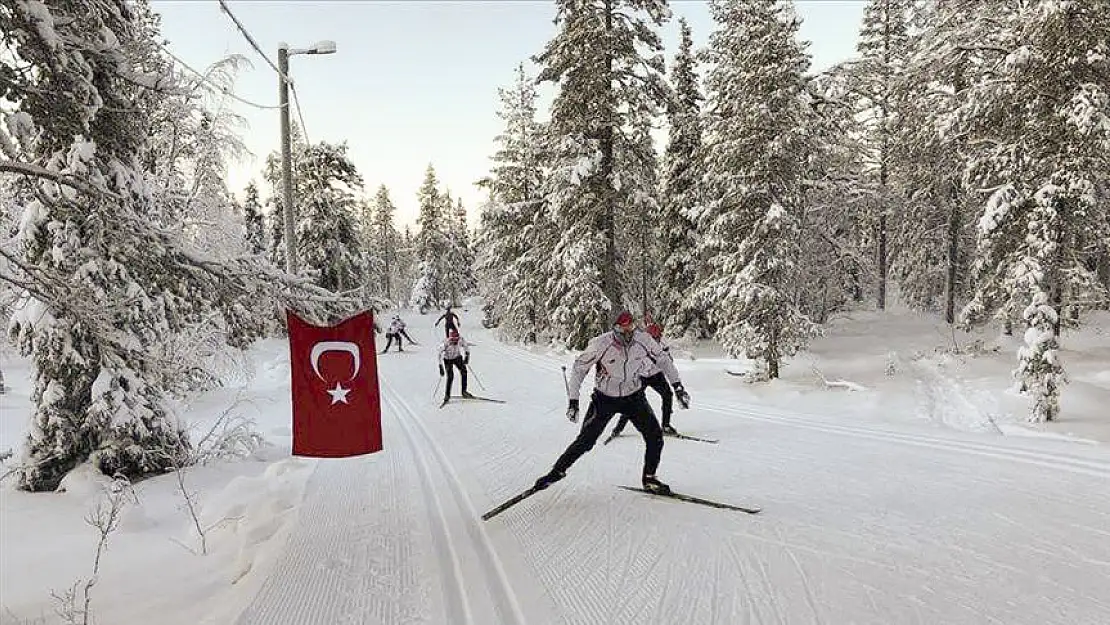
[{"x": 413, "y": 81}]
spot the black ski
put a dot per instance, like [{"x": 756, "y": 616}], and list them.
[
  {"x": 475, "y": 398},
  {"x": 510, "y": 503},
  {"x": 682, "y": 436},
  {"x": 698, "y": 500},
  {"x": 489, "y": 399},
  {"x": 687, "y": 437}
]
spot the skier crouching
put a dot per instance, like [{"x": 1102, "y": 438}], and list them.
[
  {"x": 619, "y": 357},
  {"x": 454, "y": 352}
]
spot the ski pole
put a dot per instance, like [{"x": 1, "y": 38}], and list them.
[
  {"x": 436, "y": 389},
  {"x": 566, "y": 383},
  {"x": 476, "y": 379}
]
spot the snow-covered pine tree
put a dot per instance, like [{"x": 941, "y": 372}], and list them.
[
  {"x": 606, "y": 60},
  {"x": 682, "y": 169},
  {"x": 832, "y": 262},
  {"x": 106, "y": 281},
  {"x": 253, "y": 227},
  {"x": 756, "y": 161},
  {"x": 74, "y": 120},
  {"x": 936, "y": 232},
  {"x": 450, "y": 270},
  {"x": 514, "y": 239},
  {"x": 275, "y": 207},
  {"x": 328, "y": 236},
  {"x": 1039, "y": 113},
  {"x": 406, "y": 270},
  {"x": 883, "y": 48},
  {"x": 384, "y": 240},
  {"x": 464, "y": 251},
  {"x": 431, "y": 245},
  {"x": 638, "y": 216}
]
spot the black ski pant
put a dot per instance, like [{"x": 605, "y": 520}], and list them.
[
  {"x": 659, "y": 383},
  {"x": 449, "y": 364},
  {"x": 602, "y": 408},
  {"x": 389, "y": 341}
]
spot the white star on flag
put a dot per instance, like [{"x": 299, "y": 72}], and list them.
[{"x": 338, "y": 394}]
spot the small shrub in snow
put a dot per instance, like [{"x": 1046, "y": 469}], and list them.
[{"x": 74, "y": 604}]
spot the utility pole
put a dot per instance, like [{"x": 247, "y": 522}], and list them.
[{"x": 286, "y": 161}]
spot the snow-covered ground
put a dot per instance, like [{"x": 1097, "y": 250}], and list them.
[{"x": 897, "y": 492}]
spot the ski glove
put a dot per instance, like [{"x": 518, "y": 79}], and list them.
[
  {"x": 682, "y": 395},
  {"x": 441, "y": 369},
  {"x": 466, "y": 359},
  {"x": 572, "y": 411}
]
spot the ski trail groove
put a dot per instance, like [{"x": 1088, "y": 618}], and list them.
[
  {"x": 324, "y": 575},
  {"x": 501, "y": 591},
  {"x": 458, "y": 608}
]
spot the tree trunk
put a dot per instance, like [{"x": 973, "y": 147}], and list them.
[
  {"x": 610, "y": 284},
  {"x": 955, "y": 216},
  {"x": 881, "y": 235},
  {"x": 773, "y": 355},
  {"x": 1102, "y": 270}
]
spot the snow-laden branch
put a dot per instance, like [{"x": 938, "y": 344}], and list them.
[{"x": 35, "y": 171}]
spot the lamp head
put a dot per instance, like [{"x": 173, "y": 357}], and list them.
[{"x": 327, "y": 46}]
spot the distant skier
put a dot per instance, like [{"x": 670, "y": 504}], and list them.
[
  {"x": 654, "y": 377},
  {"x": 617, "y": 357},
  {"x": 452, "y": 321},
  {"x": 401, "y": 330},
  {"x": 454, "y": 352},
  {"x": 396, "y": 330}
]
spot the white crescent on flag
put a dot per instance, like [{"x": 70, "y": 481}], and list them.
[{"x": 322, "y": 347}]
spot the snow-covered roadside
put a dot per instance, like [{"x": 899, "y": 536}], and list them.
[
  {"x": 153, "y": 569},
  {"x": 907, "y": 367}
]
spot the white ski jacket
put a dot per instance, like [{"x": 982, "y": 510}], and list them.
[
  {"x": 451, "y": 351},
  {"x": 396, "y": 327},
  {"x": 653, "y": 367},
  {"x": 619, "y": 365}
]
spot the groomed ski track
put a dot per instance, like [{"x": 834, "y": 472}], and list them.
[{"x": 861, "y": 522}]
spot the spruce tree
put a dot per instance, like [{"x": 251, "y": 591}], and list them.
[
  {"x": 514, "y": 239},
  {"x": 883, "y": 48},
  {"x": 328, "y": 236},
  {"x": 677, "y": 228},
  {"x": 253, "y": 221},
  {"x": 606, "y": 60},
  {"x": 430, "y": 244},
  {"x": 1036, "y": 114},
  {"x": 756, "y": 161},
  {"x": 384, "y": 239},
  {"x": 75, "y": 119}
]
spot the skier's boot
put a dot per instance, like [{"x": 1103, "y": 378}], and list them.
[
  {"x": 549, "y": 479},
  {"x": 653, "y": 485},
  {"x": 467, "y": 395},
  {"x": 668, "y": 430}
]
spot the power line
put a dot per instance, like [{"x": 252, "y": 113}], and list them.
[
  {"x": 250, "y": 39},
  {"x": 257, "y": 48},
  {"x": 224, "y": 90},
  {"x": 300, "y": 116}
]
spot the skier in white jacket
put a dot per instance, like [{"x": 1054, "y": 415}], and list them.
[
  {"x": 454, "y": 352},
  {"x": 617, "y": 357}
]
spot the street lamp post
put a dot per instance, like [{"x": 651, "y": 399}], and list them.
[{"x": 289, "y": 213}]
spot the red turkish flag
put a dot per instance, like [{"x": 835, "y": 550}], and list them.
[{"x": 336, "y": 403}]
